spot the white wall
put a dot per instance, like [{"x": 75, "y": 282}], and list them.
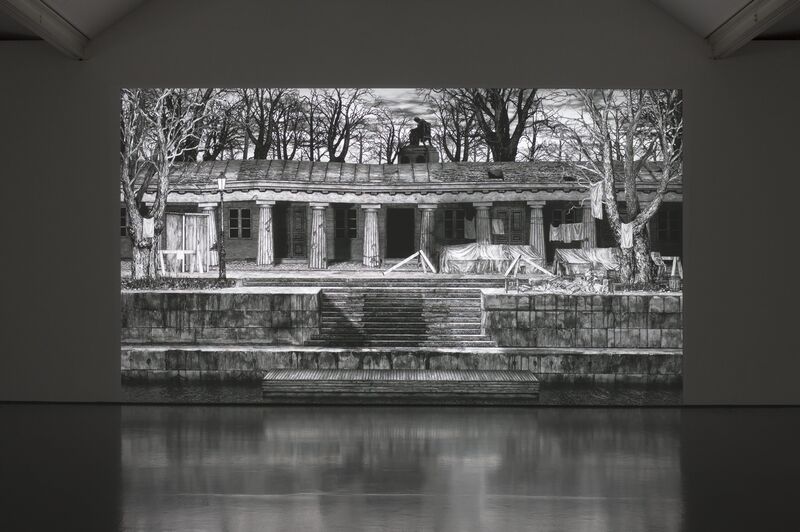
[{"x": 59, "y": 141}]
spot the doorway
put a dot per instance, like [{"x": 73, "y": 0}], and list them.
[
  {"x": 399, "y": 233},
  {"x": 345, "y": 231}
]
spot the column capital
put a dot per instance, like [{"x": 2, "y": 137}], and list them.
[
  {"x": 428, "y": 206},
  {"x": 482, "y": 204},
  {"x": 318, "y": 205},
  {"x": 536, "y": 204},
  {"x": 208, "y": 205},
  {"x": 371, "y": 206},
  {"x": 265, "y": 203}
]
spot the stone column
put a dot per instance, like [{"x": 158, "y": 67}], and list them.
[
  {"x": 483, "y": 224},
  {"x": 426, "y": 229},
  {"x": 318, "y": 248},
  {"x": 211, "y": 210},
  {"x": 266, "y": 250},
  {"x": 536, "y": 238},
  {"x": 589, "y": 228},
  {"x": 372, "y": 250}
]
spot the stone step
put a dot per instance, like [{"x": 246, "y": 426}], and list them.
[
  {"x": 368, "y": 324},
  {"x": 383, "y": 283},
  {"x": 398, "y": 313},
  {"x": 361, "y": 342}
]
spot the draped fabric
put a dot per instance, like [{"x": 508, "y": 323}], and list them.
[
  {"x": 596, "y": 195},
  {"x": 498, "y": 228},
  {"x": 607, "y": 258},
  {"x": 626, "y": 235},
  {"x": 485, "y": 258},
  {"x": 566, "y": 233}
]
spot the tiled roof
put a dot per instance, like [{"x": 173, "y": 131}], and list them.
[{"x": 258, "y": 173}]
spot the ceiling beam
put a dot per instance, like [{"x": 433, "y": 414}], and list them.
[
  {"x": 47, "y": 24},
  {"x": 747, "y": 24}
]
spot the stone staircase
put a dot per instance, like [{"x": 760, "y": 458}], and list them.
[{"x": 400, "y": 317}]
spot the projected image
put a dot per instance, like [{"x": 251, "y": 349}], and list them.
[{"x": 402, "y": 246}]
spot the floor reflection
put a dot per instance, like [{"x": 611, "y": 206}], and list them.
[{"x": 330, "y": 468}]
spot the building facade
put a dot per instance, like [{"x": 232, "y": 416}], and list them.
[{"x": 318, "y": 213}]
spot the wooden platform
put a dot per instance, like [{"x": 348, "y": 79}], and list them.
[{"x": 404, "y": 386}]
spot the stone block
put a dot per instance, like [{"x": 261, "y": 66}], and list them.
[
  {"x": 548, "y": 337},
  {"x": 653, "y": 337},
  {"x": 564, "y": 302},
  {"x": 406, "y": 361},
  {"x": 656, "y": 304},
  {"x": 281, "y": 319},
  {"x": 665, "y": 364},
  {"x": 672, "y": 338},
  {"x": 549, "y": 320},
  {"x": 672, "y": 304},
  {"x": 583, "y": 338},
  {"x": 524, "y": 319},
  {"x": 599, "y": 320},
  {"x": 569, "y": 319},
  {"x": 638, "y": 320},
  {"x": 672, "y": 321},
  {"x": 584, "y": 319},
  {"x": 637, "y": 304},
  {"x": 523, "y": 302},
  {"x": 549, "y": 302},
  {"x": 583, "y": 303},
  {"x": 599, "y": 338},
  {"x": 444, "y": 362},
  {"x": 348, "y": 360},
  {"x": 656, "y": 320}
]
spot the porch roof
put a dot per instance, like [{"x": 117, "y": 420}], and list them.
[{"x": 263, "y": 174}]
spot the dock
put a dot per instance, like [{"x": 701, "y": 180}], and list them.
[{"x": 400, "y": 386}]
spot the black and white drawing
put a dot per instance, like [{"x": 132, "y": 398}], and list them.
[{"x": 437, "y": 246}]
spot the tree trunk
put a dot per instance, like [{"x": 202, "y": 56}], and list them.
[{"x": 145, "y": 264}]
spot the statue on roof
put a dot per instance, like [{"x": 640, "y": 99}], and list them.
[{"x": 421, "y": 133}]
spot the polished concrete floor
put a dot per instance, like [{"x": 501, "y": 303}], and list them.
[{"x": 158, "y": 468}]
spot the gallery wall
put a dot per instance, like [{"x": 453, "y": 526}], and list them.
[{"x": 59, "y": 166}]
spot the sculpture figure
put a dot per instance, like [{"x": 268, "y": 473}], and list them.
[{"x": 421, "y": 133}]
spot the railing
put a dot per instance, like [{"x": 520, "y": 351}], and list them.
[
  {"x": 511, "y": 279},
  {"x": 425, "y": 261}
]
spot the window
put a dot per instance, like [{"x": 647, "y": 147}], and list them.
[
  {"x": 239, "y": 224},
  {"x": 668, "y": 224},
  {"x": 569, "y": 215},
  {"x": 123, "y": 221},
  {"x": 345, "y": 223},
  {"x": 454, "y": 224}
]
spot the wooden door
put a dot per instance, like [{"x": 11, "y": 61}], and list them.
[
  {"x": 513, "y": 219},
  {"x": 297, "y": 231},
  {"x": 344, "y": 232}
]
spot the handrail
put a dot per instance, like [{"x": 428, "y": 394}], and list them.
[
  {"x": 426, "y": 263},
  {"x": 513, "y": 270}
]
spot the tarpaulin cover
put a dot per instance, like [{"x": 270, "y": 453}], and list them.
[
  {"x": 485, "y": 258},
  {"x": 608, "y": 258}
]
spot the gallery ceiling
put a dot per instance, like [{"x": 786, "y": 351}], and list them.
[{"x": 727, "y": 25}]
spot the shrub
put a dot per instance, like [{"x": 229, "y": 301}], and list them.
[{"x": 175, "y": 283}]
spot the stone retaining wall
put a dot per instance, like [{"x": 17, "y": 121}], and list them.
[
  {"x": 648, "y": 321},
  {"x": 220, "y": 317},
  {"x": 620, "y": 366}
]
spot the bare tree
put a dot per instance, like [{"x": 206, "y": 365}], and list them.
[
  {"x": 312, "y": 123},
  {"x": 289, "y": 131},
  {"x": 618, "y": 133},
  {"x": 502, "y": 116},
  {"x": 260, "y": 107},
  {"x": 344, "y": 112},
  {"x": 223, "y": 132},
  {"x": 156, "y": 126},
  {"x": 387, "y": 133},
  {"x": 455, "y": 129}
]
